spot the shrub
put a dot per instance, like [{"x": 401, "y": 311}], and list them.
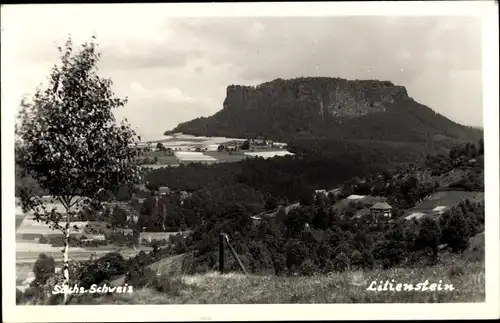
[
  {"x": 168, "y": 285},
  {"x": 102, "y": 269},
  {"x": 44, "y": 268},
  {"x": 429, "y": 235},
  {"x": 31, "y": 294},
  {"x": 455, "y": 270},
  {"x": 139, "y": 276},
  {"x": 456, "y": 232},
  {"x": 341, "y": 262},
  {"x": 307, "y": 268}
]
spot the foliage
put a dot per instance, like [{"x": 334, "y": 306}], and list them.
[
  {"x": 69, "y": 142},
  {"x": 429, "y": 235},
  {"x": 44, "y": 268},
  {"x": 315, "y": 236}
]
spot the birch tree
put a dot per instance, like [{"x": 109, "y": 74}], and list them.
[{"x": 70, "y": 143}]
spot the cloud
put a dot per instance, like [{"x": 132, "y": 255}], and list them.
[
  {"x": 169, "y": 67},
  {"x": 175, "y": 95}
]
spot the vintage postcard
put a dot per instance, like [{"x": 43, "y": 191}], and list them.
[{"x": 250, "y": 161}]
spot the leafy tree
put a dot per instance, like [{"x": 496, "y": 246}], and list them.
[
  {"x": 124, "y": 193},
  {"x": 70, "y": 142},
  {"x": 119, "y": 217},
  {"x": 43, "y": 269},
  {"x": 160, "y": 147},
  {"x": 457, "y": 230},
  {"x": 271, "y": 204},
  {"x": 245, "y": 145},
  {"x": 429, "y": 235}
]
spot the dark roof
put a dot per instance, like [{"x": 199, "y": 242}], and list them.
[
  {"x": 164, "y": 189},
  {"x": 381, "y": 206}
]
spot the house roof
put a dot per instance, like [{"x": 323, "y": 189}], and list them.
[
  {"x": 381, "y": 206},
  {"x": 355, "y": 197}
]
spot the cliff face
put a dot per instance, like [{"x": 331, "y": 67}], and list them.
[
  {"x": 333, "y": 96},
  {"x": 321, "y": 107}
]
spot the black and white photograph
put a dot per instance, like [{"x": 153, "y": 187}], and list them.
[{"x": 299, "y": 154}]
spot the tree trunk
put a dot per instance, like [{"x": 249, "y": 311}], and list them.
[{"x": 66, "y": 259}]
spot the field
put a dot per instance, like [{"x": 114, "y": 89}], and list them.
[
  {"x": 28, "y": 249},
  {"x": 186, "y": 157},
  {"x": 441, "y": 201},
  {"x": 187, "y": 144}
]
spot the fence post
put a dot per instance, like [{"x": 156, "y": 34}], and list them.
[
  {"x": 235, "y": 255},
  {"x": 221, "y": 253}
]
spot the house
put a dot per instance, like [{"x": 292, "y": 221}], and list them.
[
  {"x": 279, "y": 145},
  {"x": 324, "y": 192},
  {"x": 164, "y": 190},
  {"x": 381, "y": 209}
]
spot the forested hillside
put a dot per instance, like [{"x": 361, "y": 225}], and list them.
[{"x": 322, "y": 107}]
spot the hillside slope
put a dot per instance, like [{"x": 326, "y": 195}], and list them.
[
  {"x": 466, "y": 276},
  {"x": 328, "y": 108}
]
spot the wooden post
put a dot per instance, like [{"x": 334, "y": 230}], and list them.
[
  {"x": 235, "y": 255},
  {"x": 221, "y": 253}
]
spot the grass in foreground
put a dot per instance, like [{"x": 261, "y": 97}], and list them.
[{"x": 348, "y": 287}]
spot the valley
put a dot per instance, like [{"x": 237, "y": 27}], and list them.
[{"x": 387, "y": 186}]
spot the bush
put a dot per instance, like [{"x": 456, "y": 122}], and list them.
[
  {"x": 168, "y": 285},
  {"x": 32, "y": 294},
  {"x": 271, "y": 204},
  {"x": 43, "y": 240},
  {"x": 307, "y": 268},
  {"x": 455, "y": 270},
  {"x": 429, "y": 235},
  {"x": 139, "y": 276},
  {"x": 456, "y": 232},
  {"x": 341, "y": 262},
  {"x": 105, "y": 268},
  {"x": 44, "y": 268}
]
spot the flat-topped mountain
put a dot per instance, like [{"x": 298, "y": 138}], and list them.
[{"x": 323, "y": 107}]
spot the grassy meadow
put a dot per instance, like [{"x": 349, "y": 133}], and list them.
[
  {"x": 347, "y": 287},
  {"x": 466, "y": 272}
]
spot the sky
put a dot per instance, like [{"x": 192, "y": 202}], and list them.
[{"x": 174, "y": 69}]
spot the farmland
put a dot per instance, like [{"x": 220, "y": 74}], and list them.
[
  {"x": 187, "y": 149},
  {"x": 441, "y": 201}
]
